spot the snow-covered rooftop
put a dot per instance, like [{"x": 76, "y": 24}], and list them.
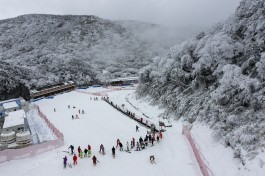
[
  {"x": 125, "y": 79},
  {"x": 14, "y": 118},
  {"x": 9, "y": 105}
]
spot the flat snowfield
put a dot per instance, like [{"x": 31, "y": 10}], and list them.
[{"x": 102, "y": 124}]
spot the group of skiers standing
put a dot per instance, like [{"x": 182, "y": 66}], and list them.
[
  {"x": 141, "y": 144},
  {"x": 82, "y": 154}
]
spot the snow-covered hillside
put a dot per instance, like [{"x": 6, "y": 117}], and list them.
[
  {"x": 39, "y": 50},
  {"x": 218, "y": 78}
]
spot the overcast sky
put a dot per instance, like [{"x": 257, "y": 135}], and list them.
[{"x": 165, "y": 12}]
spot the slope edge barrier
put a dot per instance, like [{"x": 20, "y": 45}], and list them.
[{"x": 203, "y": 167}]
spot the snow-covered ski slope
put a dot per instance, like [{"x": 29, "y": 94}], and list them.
[{"x": 102, "y": 124}]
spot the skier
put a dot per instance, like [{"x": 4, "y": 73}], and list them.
[
  {"x": 81, "y": 153},
  {"x": 128, "y": 146},
  {"x": 138, "y": 146},
  {"x": 152, "y": 159},
  {"x": 88, "y": 153},
  {"x": 160, "y": 134},
  {"x": 142, "y": 145},
  {"x": 121, "y": 146},
  {"x": 141, "y": 140},
  {"x": 150, "y": 138},
  {"x": 85, "y": 151},
  {"x": 113, "y": 152},
  {"x": 68, "y": 106},
  {"x": 83, "y": 112},
  {"x": 101, "y": 149},
  {"x": 94, "y": 159},
  {"x": 72, "y": 149},
  {"x": 133, "y": 142},
  {"x": 64, "y": 162},
  {"x": 76, "y": 116},
  {"x": 157, "y": 138},
  {"x": 146, "y": 140},
  {"x": 153, "y": 139},
  {"x": 79, "y": 149},
  {"x": 137, "y": 128},
  {"x": 88, "y": 147},
  {"x": 118, "y": 143},
  {"x": 54, "y": 110},
  {"x": 73, "y": 117},
  {"x": 75, "y": 159}
]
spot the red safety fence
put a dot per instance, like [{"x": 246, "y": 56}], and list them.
[
  {"x": 33, "y": 150},
  {"x": 204, "y": 169}
]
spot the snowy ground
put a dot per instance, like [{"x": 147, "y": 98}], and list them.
[{"x": 101, "y": 124}]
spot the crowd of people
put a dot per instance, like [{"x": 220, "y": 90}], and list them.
[{"x": 138, "y": 145}]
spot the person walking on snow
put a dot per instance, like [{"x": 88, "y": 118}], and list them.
[
  {"x": 85, "y": 151},
  {"x": 128, "y": 146},
  {"x": 89, "y": 147},
  {"x": 150, "y": 138},
  {"x": 141, "y": 140},
  {"x": 73, "y": 117},
  {"x": 121, "y": 146},
  {"x": 54, "y": 110},
  {"x": 138, "y": 146},
  {"x": 160, "y": 134},
  {"x": 94, "y": 159},
  {"x": 88, "y": 153},
  {"x": 137, "y": 128},
  {"x": 79, "y": 151},
  {"x": 118, "y": 143},
  {"x": 113, "y": 152},
  {"x": 146, "y": 140},
  {"x": 157, "y": 138},
  {"x": 153, "y": 139},
  {"x": 75, "y": 159},
  {"x": 133, "y": 142},
  {"x": 101, "y": 149},
  {"x": 72, "y": 149},
  {"x": 64, "y": 162}
]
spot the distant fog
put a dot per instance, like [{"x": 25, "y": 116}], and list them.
[{"x": 164, "y": 12}]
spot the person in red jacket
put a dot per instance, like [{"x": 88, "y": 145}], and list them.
[
  {"x": 160, "y": 134},
  {"x": 94, "y": 159},
  {"x": 75, "y": 159},
  {"x": 79, "y": 151},
  {"x": 89, "y": 147}
]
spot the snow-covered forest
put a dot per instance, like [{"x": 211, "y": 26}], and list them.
[
  {"x": 217, "y": 77},
  {"x": 41, "y": 50}
]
